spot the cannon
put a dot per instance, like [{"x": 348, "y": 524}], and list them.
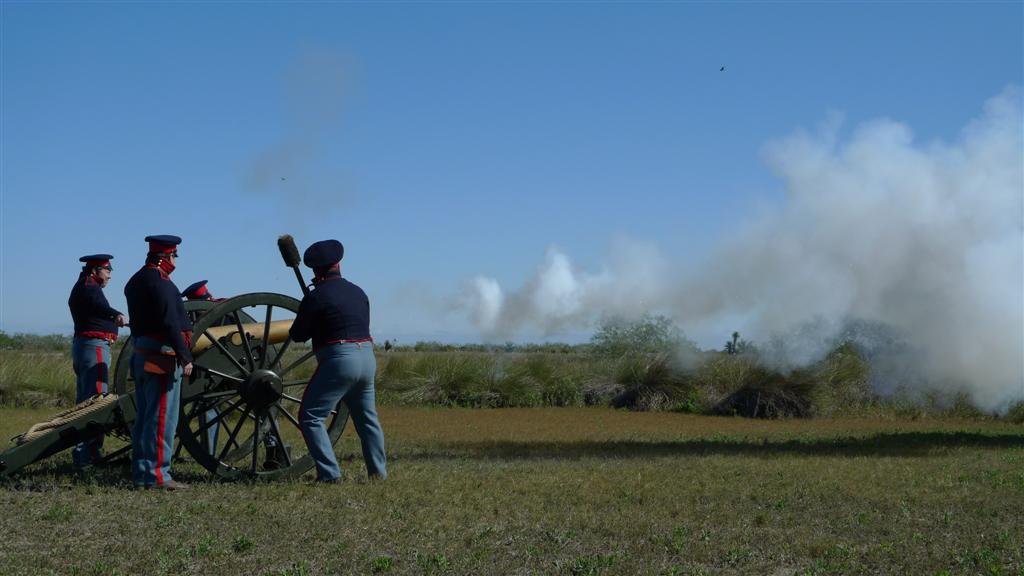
[{"x": 247, "y": 384}]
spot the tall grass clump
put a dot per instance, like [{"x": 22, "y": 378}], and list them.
[
  {"x": 650, "y": 382},
  {"x": 446, "y": 379},
  {"x": 717, "y": 375},
  {"x": 768, "y": 393},
  {"x": 554, "y": 379},
  {"x": 841, "y": 382},
  {"x": 480, "y": 379}
]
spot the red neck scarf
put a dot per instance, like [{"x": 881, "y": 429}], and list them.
[{"x": 167, "y": 266}]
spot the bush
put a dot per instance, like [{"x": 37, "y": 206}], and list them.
[
  {"x": 770, "y": 394},
  {"x": 842, "y": 382},
  {"x": 649, "y": 334},
  {"x": 1016, "y": 413},
  {"x": 35, "y": 342},
  {"x": 718, "y": 374}
]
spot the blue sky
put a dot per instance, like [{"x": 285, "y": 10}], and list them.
[{"x": 438, "y": 141}]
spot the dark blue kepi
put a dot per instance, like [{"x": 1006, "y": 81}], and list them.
[
  {"x": 97, "y": 260},
  {"x": 168, "y": 239},
  {"x": 197, "y": 290},
  {"x": 323, "y": 254}
]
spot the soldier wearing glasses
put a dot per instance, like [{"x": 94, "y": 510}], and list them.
[{"x": 96, "y": 324}]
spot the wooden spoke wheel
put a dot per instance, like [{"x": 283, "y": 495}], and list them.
[
  {"x": 240, "y": 409},
  {"x": 123, "y": 383}
]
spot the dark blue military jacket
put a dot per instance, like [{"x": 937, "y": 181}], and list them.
[
  {"x": 89, "y": 307},
  {"x": 335, "y": 310},
  {"x": 156, "y": 310}
]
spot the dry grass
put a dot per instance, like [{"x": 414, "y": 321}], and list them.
[{"x": 560, "y": 491}]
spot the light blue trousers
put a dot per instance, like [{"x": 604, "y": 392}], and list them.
[
  {"x": 344, "y": 373},
  {"x": 91, "y": 360},
  {"x": 157, "y": 402}
]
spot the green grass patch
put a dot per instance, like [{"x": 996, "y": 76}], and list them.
[{"x": 558, "y": 491}]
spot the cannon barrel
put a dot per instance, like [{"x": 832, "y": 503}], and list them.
[{"x": 278, "y": 333}]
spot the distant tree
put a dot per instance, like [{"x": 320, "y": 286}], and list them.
[
  {"x": 8, "y": 343},
  {"x": 738, "y": 346},
  {"x": 617, "y": 336},
  {"x": 730, "y": 347}
]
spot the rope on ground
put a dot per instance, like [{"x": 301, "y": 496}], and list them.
[{"x": 90, "y": 406}]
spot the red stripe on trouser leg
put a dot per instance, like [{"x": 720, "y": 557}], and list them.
[
  {"x": 99, "y": 370},
  {"x": 162, "y": 421}
]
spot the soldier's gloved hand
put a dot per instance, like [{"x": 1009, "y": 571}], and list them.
[
  {"x": 187, "y": 369},
  {"x": 121, "y": 320}
]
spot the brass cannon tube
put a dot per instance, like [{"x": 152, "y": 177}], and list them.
[{"x": 278, "y": 333}]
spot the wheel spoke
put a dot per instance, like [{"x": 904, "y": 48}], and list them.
[
  {"x": 280, "y": 441},
  {"x": 213, "y": 372},
  {"x": 266, "y": 336},
  {"x": 292, "y": 398},
  {"x": 245, "y": 341},
  {"x": 299, "y": 402},
  {"x": 302, "y": 359},
  {"x": 216, "y": 394},
  {"x": 290, "y": 418},
  {"x": 292, "y": 383},
  {"x": 256, "y": 441},
  {"x": 225, "y": 352},
  {"x": 231, "y": 438},
  {"x": 221, "y": 413},
  {"x": 280, "y": 354}
]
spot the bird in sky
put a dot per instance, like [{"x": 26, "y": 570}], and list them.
[{"x": 722, "y": 69}]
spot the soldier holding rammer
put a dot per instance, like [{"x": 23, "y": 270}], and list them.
[{"x": 336, "y": 315}]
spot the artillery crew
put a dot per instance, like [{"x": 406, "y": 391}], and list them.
[
  {"x": 161, "y": 334},
  {"x": 96, "y": 324},
  {"x": 336, "y": 315}
]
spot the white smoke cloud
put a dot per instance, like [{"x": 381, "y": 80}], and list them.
[
  {"x": 560, "y": 296},
  {"x": 925, "y": 238}
]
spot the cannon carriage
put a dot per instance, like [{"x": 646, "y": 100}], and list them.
[{"x": 247, "y": 385}]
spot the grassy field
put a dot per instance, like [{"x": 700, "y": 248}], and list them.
[{"x": 560, "y": 491}]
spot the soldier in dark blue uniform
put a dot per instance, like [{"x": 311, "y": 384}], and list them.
[
  {"x": 162, "y": 336},
  {"x": 197, "y": 291},
  {"x": 96, "y": 325},
  {"x": 336, "y": 315}
]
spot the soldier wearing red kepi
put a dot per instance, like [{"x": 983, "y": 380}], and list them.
[
  {"x": 197, "y": 291},
  {"x": 161, "y": 334},
  {"x": 96, "y": 325}
]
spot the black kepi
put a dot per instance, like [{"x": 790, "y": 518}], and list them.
[{"x": 323, "y": 254}]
